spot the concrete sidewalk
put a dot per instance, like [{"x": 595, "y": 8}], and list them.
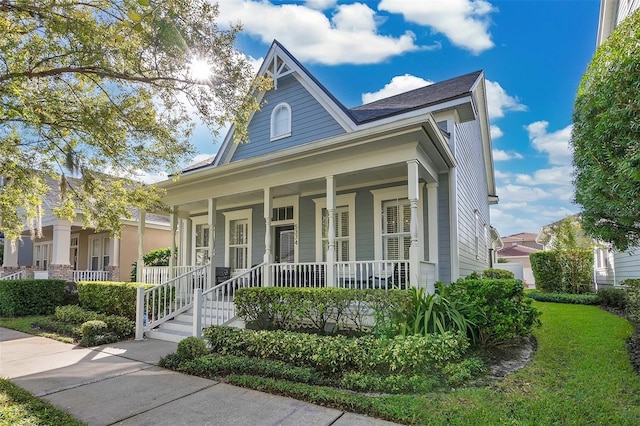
[{"x": 122, "y": 384}]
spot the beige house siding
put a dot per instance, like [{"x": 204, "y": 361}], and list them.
[{"x": 153, "y": 239}]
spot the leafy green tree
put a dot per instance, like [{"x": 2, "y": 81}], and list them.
[
  {"x": 108, "y": 86},
  {"x": 606, "y": 139}
]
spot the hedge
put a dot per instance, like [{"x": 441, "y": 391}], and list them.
[
  {"x": 110, "y": 297},
  {"x": 547, "y": 270},
  {"x": 321, "y": 309},
  {"x": 632, "y": 289},
  {"x": 563, "y": 271},
  {"x": 575, "y": 299},
  {"x": 30, "y": 297},
  {"x": 338, "y": 354}
]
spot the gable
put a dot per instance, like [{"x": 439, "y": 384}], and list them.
[{"x": 310, "y": 121}]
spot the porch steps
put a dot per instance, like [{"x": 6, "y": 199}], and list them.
[{"x": 181, "y": 326}]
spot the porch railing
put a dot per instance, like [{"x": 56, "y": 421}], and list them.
[
  {"x": 378, "y": 274},
  {"x": 166, "y": 301},
  {"x": 298, "y": 274},
  {"x": 18, "y": 275},
  {"x": 91, "y": 276},
  {"x": 216, "y": 305},
  {"x": 161, "y": 274}
]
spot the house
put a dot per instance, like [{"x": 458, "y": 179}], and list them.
[
  {"x": 394, "y": 192},
  {"x": 516, "y": 250},
  {"x": 612, "y": 12},
  {"x": 69, "y": 251}
]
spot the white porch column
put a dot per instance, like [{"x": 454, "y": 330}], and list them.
[
  {"x": 61, "y": 243},
  {"x": 414, "y": 196},
  {"x": 211, "y": 221},
  {"x": 141, "y": 226},
  {"x": 331, "y": 234},
  {"x": 268, "y": 256},
  {"x": 187, "y": 238},
  {"x": 173, "y": 223},
  {"x": 10, "y": 258},
  {"x": 432, "y": 212},
  {"x": 115, "y": 258}
]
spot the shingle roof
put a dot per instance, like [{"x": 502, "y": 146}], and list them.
[
  {"x": 522, "y": 236},
  {"x": 516, "y": 250},
  {"x": 418, "y": 98}
]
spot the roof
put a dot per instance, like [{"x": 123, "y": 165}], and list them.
[
  {"x": 522, "y": 236},
  {"x": 418, "y": 98},
  {"x": 517, "y": 250}
]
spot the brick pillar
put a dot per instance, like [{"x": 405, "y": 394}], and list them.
[
  {"x": 61, "y": 272},
  {"x": 115, "y": 273}
]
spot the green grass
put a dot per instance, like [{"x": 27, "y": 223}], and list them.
[
  {"x": 19, "y": 407},
  {"x": 580, "y": 375},
  {"x": 24, "y": 324}
]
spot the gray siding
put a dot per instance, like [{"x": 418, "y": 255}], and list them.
[
  {"x": 307, "y": 230},
  {"x": 309, "y": 121},
  {"x": 364, "y": 225},
  {"x": 627, "y": 264},
  {"x": 472, "y": 195},
  {"x": 444, "y": 242},
  {"x": 25, "y": 251}
]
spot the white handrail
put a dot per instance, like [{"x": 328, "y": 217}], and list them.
[
  {"x": 18, "y": 275},
  {"x": 161, "y": 274}
]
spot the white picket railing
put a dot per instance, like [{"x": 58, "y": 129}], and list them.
[
  {"x": 378, "y": 274},
  {"x": 161, "y": 274},
  {"x": 216, "y": 305},
  {"x": 298, "y": 274},
  {"x": 19, "y": 275},
  {"x": 165, "y": 301},
  {"x": 91, "y": 276}
]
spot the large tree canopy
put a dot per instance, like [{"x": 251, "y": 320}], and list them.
[
  {"x": 606, "y": 139},
  {"x": 107, "y": 86}
]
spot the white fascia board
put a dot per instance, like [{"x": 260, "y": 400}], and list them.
[{"x": 482, "y": 113}]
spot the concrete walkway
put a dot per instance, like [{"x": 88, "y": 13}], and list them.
[{"x": 122, "y": 384}]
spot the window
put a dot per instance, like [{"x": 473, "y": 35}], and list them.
[
  {"x": 99, "y": 252},
  {"x": 345, "y": 242},
  {"x": 73, "y": 251},
  {"x": 602, "y": 257},
  {"x": 42, "y": 255},
  {"x": 238, "y": 240},
  {"x": 342, "y": 234},
  {"x": 282, "y": 213},
  {"x": 202, "y": 244},
  {"x": 281, "y": 121},
  {"x": 396, "y": 229}
]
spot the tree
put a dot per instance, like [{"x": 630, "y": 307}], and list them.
[
  {"x": 606, "y": 139},
  {"x": 104, "y": 86}
]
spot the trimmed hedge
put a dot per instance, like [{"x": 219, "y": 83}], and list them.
[
  {"x": 110, "y": 297},
  {"x": 30, "y": 297},
  {"x": 547, "y": 270},
  {"x": 338, "y": 354},
  {"x": 632, "y": 289},
  {"x": 324, "y": 310},
  {"x": 497, "y": 273},
  {"x": 120, "y": 327},
  {"x": 502, "y": 312},
  {"x": 576, "y": 299},
  {"x": 610, "y": 297}
]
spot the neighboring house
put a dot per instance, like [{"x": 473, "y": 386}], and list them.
[
  {"x": 401, "y": 183},
  {"x": 612, "y": 12},
  {"x": 516, "y": 249},
  {"x": 69, "y": 251}
]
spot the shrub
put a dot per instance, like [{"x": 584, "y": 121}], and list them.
[
  {"x": 30, "y": 297},
  {"x": 109, "y": 297},
  {"x": 118, "y": 326},
  {"x": 610, "y": 297},
  {"x": 158, "y": 257},
  {"x": 547, "y": 270},
  {"x": 632, "y": 289},
  {"x": 191, "y": 348},
  {"x": 460, "y": 372},
  {"x": 497, "y": 273},
  {"x": 502, "y": 310},
  {"x": 278, "y": 308},
  {"x": 96, "y": 333},
  {"x": 577, "y": 270},
  {"x": 53, "y": 325},
  {"x": 576, "y": 299},
  {"x": 433, "y": 313},
  {"x": 337, "y": 354}
]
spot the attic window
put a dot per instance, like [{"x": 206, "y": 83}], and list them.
[{"x": 281, "y": 121}]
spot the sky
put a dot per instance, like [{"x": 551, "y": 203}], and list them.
[{"x": 533, "y": 54}]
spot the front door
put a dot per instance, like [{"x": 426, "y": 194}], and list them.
[{"x": 284, "y": 244}]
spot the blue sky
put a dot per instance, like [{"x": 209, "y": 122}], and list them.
[{"x": 533, "y": 54}]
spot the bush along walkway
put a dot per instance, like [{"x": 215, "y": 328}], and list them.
[{"x": 580, "y": 375}]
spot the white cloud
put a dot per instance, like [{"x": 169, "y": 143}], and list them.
[
  {"x": 350, "y": 36},
  {"x": 320, "y": 4},
  {"x": 255, "y": 63},
  {"x": 555, "y": 144},
  {"x": 464, "y": 22},
  {"x": 499, "y": 101},
  {"x": 559, "y": 176},
  {"x": 501, "y": 175},
  {"x": 398, "y": 84},
  {"x": 515, "y": 193},
  {"x": 496, "y": 132},
  {"x": 501, "y": 155}
]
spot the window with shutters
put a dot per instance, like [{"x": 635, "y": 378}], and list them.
[
  {"x": 281, "y": 121},
  {"x": 238, "y": 240},
  {"x": 396, "y": 229},
  {"x": 341, "y": 236}
]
